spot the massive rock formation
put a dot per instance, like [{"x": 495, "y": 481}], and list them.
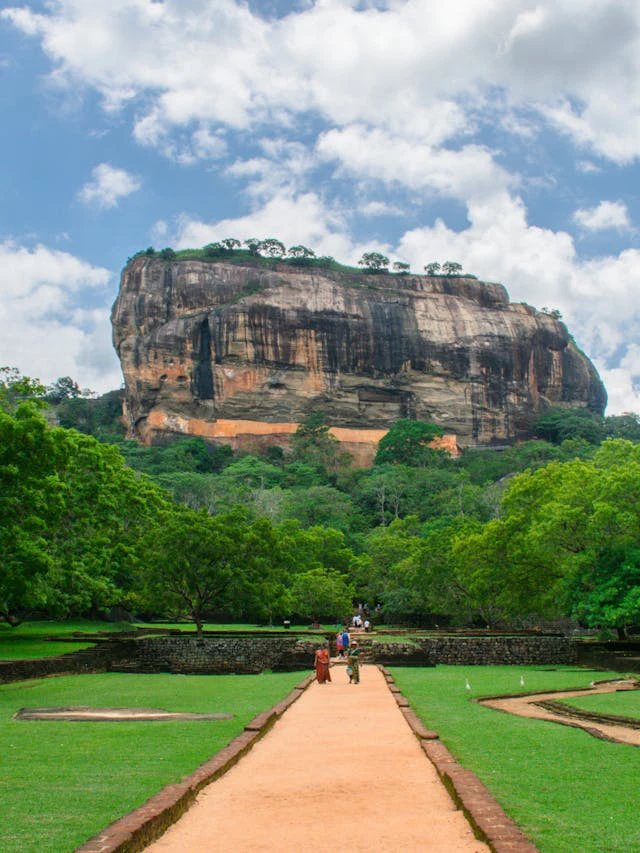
[{"x": 244, "y": 353}]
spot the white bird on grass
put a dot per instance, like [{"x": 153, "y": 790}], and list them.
[
  {"x": 522, "y": 681},
  {"x": 468, "y": 686}
]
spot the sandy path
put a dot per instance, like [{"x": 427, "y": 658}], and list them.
[
  {"x": 526, "y": 706},
  {"x": 340, "y": 770}
]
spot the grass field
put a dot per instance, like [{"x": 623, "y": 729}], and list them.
[
  {"x": 29, "y": 640},
  {"x": 623, "y": 704},
  {"x": 61, "y": 782},
  {"x": 570, "y": 792}
]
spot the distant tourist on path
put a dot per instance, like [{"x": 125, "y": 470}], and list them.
[
  {"x": 322, "y": 664},
  {"x": 353, "y": 664},
  {"x": 345, "y": 641},
  {"x": 367, "y": 626},
  {"x": 339, "y": 644}
]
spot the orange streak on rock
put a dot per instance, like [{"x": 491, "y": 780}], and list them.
[{"x": 362, "y": 444}]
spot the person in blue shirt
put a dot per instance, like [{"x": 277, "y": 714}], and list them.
[{"x": 345, "y": 641}]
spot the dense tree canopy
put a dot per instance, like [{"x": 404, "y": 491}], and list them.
[
  {"x": 546, "y": 529},
  {"x": 407, "y": 442}
]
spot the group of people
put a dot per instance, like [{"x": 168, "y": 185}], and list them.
[
  {"x": 359, "y": 622},
  {"x": 345, "y": 648}
]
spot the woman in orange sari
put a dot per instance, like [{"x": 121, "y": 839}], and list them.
[{"x": 322, "y": 665}]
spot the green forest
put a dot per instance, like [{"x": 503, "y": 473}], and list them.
[{"x": 542, "y": 533}]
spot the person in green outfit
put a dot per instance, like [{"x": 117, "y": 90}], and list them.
[{"x": 353, "y": 664}]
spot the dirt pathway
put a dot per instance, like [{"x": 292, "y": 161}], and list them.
[
  {"x": 340, "y": 770},
  {"x": 529, "y": 706}
]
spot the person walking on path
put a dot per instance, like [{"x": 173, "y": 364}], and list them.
[
  {"x": 339, "y": 645},
  {"x": 345, "y": 642},
  {"x": 322, "y": 664},
  {"x": 353, "y": 664}
]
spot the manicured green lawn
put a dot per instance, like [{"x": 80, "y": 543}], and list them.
[
  {"x": 231, "y": 626},
  {"x": 626, "y": 703},
  {"x": 29, "y": 640},
  {"x": 62, "y": 629},
  {"x": 21, "y": 648},
  {"x": 61, "y": 782},
  {"x": 570, "y": 792}
]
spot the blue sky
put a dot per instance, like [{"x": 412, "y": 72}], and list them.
[{"x": 503, "y": 135}]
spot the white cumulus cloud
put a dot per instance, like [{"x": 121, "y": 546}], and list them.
[
  {"x": 45, "y": 331},
  {"x": 417, "y": 68},
  {"x": 108, "y": 185},
  {"x": 608, "y": 214}
]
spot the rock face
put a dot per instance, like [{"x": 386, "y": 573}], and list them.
[{"x": 242, "y": 354}]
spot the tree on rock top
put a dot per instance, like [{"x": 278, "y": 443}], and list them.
[
  {"x": 272, "y": 248},
  {"x": 407, "y": 443},
  {"x": 374, "y": 262}
]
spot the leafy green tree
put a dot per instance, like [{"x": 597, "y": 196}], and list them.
[
  {"x": 100, "y": 417},
  {"x": 321, "y": 593},
  {"x": 180, "y": 455},
  {"x": 374, "y": 262},
  {"x": 300, "y": 473},
  {"x": 195, "y": 490},
  {"x": 253, "y": 472},
  {"x": 313, "y": 548},
  {"x": 323, "y": 505},
  {"x": 387, "y": 548},
  {"x": 96, "y": 544},
  {"x": 626, "y": 425},
  {"x": 605, "y": 590},
  {"x": 16, "y": 388},
  {"x": 272, "y": 248},
  {"x": 258, "y": 589},
  {"x": 558, "y": 424},
  {"x": 64, "y": 388},
  {"x": 253, "y": 245},
  {"x": 504, "y": 579},
  {"x": 191, "y": 560},
  {"x": 31, "y": 501},
  {"x": 167, "y": 254},
  {"x": 565, "y": 544},
  {"x": 300, "y": 255},
  {"x": 213, "y": 250},
  {"x": 230, "y": 243},
  {"x": 401, "y": 267},
  {"x": 313, "y": 443},
  {"x": 433, "y": 268},
  {"x": 407, "y": 443},
  {"x": 383, "y": 494},
  {"x": 451, "y": 268},
  {"x": 439, "y": 576},
  {"x": 72, "y": 517}
]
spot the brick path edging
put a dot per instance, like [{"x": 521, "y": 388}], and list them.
[
  {"x": 487, "y": 819},
  {"x": 136, "y": 830}
]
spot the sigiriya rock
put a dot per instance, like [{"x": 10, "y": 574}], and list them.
[{"x": 241, "y": 353}]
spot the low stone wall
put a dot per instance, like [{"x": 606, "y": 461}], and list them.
[
  {"x": 96, "y": 659},
  {"x": 500, "y": 650},
  {"x": 470, "y": 651},
  {"x": 226, "y": 654},
  {"x": 218, "y": 655}
]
